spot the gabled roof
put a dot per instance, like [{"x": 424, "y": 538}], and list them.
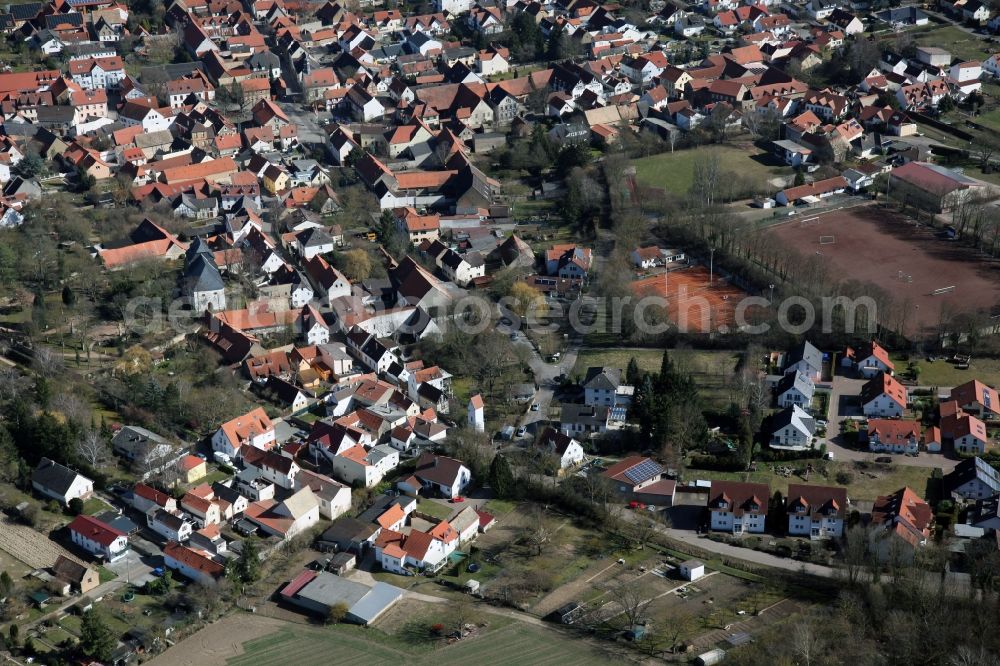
[
  {"x": 883, "y": 384},
  {"x": 93, "y": 529},
  {"x": 633, "y": 470},
  {"x": 739, "y": 497},
  {"x": 805, "y": 351},
  {"x": 438, "y": 469},
  {"x": 972, "y": 469},
  {"x": 194, "y": 559},
  {"x": 905, "y": 514},
  {"x": 974, "y": 391},
  {"x": 818, "y": 500},
  {"x": 55, "y": 477}
]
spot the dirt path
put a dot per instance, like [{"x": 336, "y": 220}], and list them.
[{"x": 218, "y": 642}]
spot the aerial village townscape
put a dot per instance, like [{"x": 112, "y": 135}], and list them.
[{"x": 508, "y": 332}]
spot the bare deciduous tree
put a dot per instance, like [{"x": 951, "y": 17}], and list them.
[
  {"x": 633, "y": 600},
  {"x": 92, "y": 448},
  {"x": 806, "y": 644}
]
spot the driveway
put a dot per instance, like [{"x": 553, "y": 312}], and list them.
[
  {"x": 844, "y": 404},
  {"x": 134, "y": 568},
  {"x": 737, "y": 553}
]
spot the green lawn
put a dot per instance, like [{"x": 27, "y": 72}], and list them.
[
  {"x": 499, "y": 508},
  {"x": 674, "y": 172},
  {"x": 943, "y": 373},
  {"x": 106, "y": 574},
  {"x": 71, "y": 623},
  {"x": 862, "y": 487},
  {"x": 990, "y": 119},
  {"x": 955, "y": 40},
  {"x": 648, "y": 359},
  {"x": 95, "y": 505},
  {"x": 712, "y": 370},
  {"x": 436, "y": 509},
  {"x": 343, "y": 644}
]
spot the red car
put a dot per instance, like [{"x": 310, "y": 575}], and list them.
[{"x": 457, "y": 499}]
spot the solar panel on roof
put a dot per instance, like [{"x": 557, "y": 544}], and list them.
[{"x": 644, "y": 470}]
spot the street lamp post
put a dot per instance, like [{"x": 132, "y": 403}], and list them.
[
  {"x": 711, "y": 265},
  {"x": 770, "y": 299}
]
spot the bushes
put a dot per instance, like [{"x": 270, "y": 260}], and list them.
[{"x": 844, "y": 478}]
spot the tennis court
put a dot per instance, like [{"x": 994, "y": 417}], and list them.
[{"x": 693, "y": 303}]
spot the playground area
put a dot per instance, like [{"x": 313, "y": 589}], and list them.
[
  {"x": 696, "y": 301},
  {"x": 916, "y": 265}
]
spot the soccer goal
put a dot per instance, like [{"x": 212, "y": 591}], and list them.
[
  {"x": 827, "y": 240},
  {"x": 943, "y": 290}
]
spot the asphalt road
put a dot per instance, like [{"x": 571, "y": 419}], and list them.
[
  {"x": 545, "y": 374},
  {"x": 310, "y": 128}
]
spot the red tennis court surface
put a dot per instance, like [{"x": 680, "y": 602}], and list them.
[
  {"x": 691, "y": 303},
  {"x": 906, "y": 261}
]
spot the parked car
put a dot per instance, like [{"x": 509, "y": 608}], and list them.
[
  {"x": 534, "y": 406},
  {"x": 522, "y": 431}
]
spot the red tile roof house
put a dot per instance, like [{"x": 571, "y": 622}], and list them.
[
  {"x": 902, "y": 524},
  {"x": 893, "y": 436},
  {"x": 738, "y": 507},
  {"x": 968, "y": 434},
  {"x": 811, "y": 192},
  {"x": 146, "y": 497},
  {"x": 252, "y": 429},
  {"x": 978, "y": 399},
  {"x": 205, "y": 509},
  {"x": 98, "y": 538},
  {"x": 416, "y": 551},
  {"x": 883, "y": 396},
  {"x": 633, "y": 474},
  {"x": 285, "y": 519},
  {"x": 192, "y": 563},
  {"x": 817, "y": 512},
  {"x": 870, "y": 360}
]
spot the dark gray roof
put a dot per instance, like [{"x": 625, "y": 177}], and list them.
[
  {"x": 314, "y": 237},
  {"x": 26, "y": 11},
  {"x": 970, "y": 469},
  {"x": 603, "y": 378},
  {"x": 54, "y": 477},
  {"x": 204, "y": 276},
  {"x": 74, "y": 19},
  {"x": 348, "y": 530}
]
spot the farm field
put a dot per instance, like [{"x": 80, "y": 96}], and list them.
[
  {"x": 512, "y": 644},
  {"x": 865, "y": 485},
  {"x": 674, "y": 172},
  {"x": 909, "y": 263}
]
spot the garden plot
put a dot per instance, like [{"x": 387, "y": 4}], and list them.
[{"x": 28, "y": 546}]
